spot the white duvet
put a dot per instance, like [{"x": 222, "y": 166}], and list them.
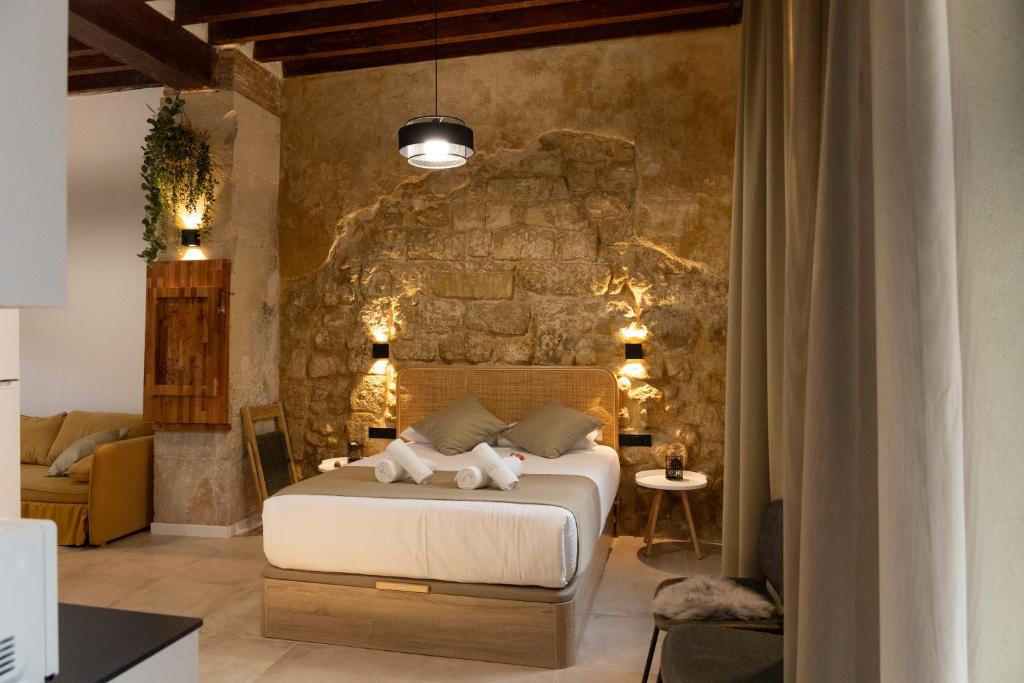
[{"x": 472, "y": 542}]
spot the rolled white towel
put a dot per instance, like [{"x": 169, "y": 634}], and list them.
[
  {"x": 476, "y": 478},
  {"x": 469, "y": 478},
  {"x": 489, "y": 461},
  {"x": 418, "y": 468},
  {"x": 388, "y": 471}
]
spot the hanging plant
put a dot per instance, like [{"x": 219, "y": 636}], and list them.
[{"x": 177, "y": 176}]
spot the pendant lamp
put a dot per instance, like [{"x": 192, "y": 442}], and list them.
[{"x": 437, "y": 141}]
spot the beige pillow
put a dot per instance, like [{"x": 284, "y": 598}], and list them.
[
  {"x": 551, "y": 430},
  {"x": 37, "y": 435},
  {"x": 81, "y": 471},
  {"x": 82, "y": 448},
  {"x": 459, "y": 426},
  {"x": 81, "y": 423}
]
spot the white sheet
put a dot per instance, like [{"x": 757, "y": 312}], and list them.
[{"x": 470, "y": 542}]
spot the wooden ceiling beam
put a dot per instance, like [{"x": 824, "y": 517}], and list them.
[
  {"x": 109, "y": 82},
  {"x": 144, "y": 39},
  {"x": 363, "y": 15},
  {"x": 94, "y": 64},
  {"x": 582, "y": 15},
  {"x": 208, "y": 11},
  {"x": 79, "y": 49},
  {"x": 681, "y": 22}
]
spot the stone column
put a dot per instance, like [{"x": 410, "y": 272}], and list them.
[{"x": 204, "y": 478}]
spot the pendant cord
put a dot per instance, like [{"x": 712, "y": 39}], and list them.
[{"x": 435, "y": 57}]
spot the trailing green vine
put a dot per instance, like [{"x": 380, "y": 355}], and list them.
[{"x": 177, "y": 174}]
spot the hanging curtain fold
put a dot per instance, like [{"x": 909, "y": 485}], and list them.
[
  {"x": 851, "y": 298},
  {"x": 753, "y": 477}
]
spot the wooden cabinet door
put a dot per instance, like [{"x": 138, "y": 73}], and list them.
[{"x": 187, "y": 313}]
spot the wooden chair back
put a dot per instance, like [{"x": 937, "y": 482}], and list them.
[{"x": 268, "y": 470}]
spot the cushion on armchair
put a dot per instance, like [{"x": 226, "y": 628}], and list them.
[
  {"x": 81, "y": 423},
  {"x": 81, "y": 471},
  {"x": 700, "y": 652},
  {"x": 83, "y": 448},
  {"x": 710, "y": 598},
  {"x": 37, "y": 436}
]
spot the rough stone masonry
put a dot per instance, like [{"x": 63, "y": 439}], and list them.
[{"x": 528, "y": 256}]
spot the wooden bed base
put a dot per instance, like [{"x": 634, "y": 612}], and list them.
[{"x": 537, "y": 634}]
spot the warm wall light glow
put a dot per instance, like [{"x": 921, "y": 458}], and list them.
[
  {"x": 634, "y": 333},
  {"x": 190, "y": 220},
  {"x": 194, "y": 254},
  {"x": 380, "y": 335},
  {"x": 633, "y": 371}
]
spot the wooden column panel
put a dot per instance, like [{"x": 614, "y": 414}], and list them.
[{"x": 188, "y": 305}]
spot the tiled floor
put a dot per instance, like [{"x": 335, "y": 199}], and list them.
[{"x": 218, "y": 580}]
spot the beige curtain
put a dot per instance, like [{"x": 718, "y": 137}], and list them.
[
  {"x": 753, "y": 476},
  {"x": 865, "y": 418}
]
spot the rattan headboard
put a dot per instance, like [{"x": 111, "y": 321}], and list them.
[{"x": 509, "y": 392}]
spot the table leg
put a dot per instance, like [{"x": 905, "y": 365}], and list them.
[
  {"x": 652, "y": 521},
  {"x": 691, "y": 525}
]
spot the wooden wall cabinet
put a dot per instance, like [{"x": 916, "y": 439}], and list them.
[{"x": 186, "y": 377}]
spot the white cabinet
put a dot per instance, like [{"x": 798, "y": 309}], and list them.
[
  {"x": 33, "y": 152},
  {"x": 10, "y": 427}
]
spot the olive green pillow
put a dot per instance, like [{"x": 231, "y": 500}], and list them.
[
  {"x": 459, "y": 426},
  {"x": 551, "y": 430}
]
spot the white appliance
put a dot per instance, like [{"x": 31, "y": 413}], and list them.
[
  {"x": 10, "y": 429},
  {"x": 28, "y": 600}
]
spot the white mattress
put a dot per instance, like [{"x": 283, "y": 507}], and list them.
[{"x": 466, "y": 541}]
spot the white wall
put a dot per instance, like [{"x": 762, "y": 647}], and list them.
[
  {"x": 990, "y": 117},
  {"x": 89, "y": 354}
]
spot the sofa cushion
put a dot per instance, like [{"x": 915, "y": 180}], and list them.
[
  {"x": 80, "y": 423},
  {"x": 37, "y": 435},
  {"x": 37, "y": 487},
  {"x": 82, "y": 448},
  {"x": 81, "y": 470}
]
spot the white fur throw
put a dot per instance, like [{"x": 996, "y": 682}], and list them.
[{"x": 710, "y": 597}]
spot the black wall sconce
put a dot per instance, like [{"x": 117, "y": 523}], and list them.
[
  {"x": 381, "y": 351},
  {"x": 190, "y": 238},
  {"x": 634, "y": 351},
  {"x": 382, "y": 433}
]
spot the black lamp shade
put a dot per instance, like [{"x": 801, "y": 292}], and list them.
[
  {"x": 436, "y": 142},
  {"x": 190, "y": 238},
  {"x": 634, "y": 351},
  {"x": 381, "y": 351}
]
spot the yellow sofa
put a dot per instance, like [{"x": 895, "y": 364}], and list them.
[{"x": 112, "y": 494}]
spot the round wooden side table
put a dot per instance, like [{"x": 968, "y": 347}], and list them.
[
  {"x": 331, "y": 464},
  {"x": 656, "y": 480}
]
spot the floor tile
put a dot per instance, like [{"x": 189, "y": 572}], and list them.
[
  {"x": 615, "y": 643},
  {"x": 177, "y": 595},
  {"x": 85, "y": 588},
  {"x": 219, "y": 580},
  {"x": 239, "y": 616},
  {"x": 580, "y": 675},
  {"x": 234, "y": 659}
]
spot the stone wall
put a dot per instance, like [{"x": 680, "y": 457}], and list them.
[
  {"x": 602, "y": 201},
  {"x": 204, "y": 477}
]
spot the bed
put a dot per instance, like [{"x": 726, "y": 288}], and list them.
[{"x": 496, "y": 581}]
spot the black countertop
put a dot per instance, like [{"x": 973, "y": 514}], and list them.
[{"x": 97, "y": 643}]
